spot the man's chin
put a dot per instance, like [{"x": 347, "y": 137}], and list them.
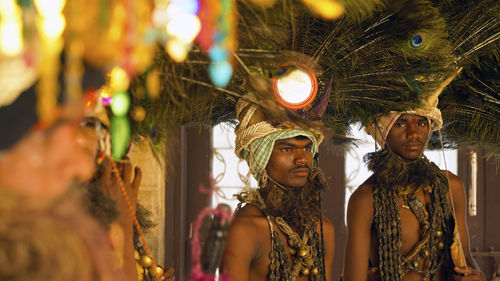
[{"x": 410, "y": 155}]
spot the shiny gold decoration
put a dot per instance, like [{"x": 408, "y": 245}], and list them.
[
  {"x": 425, "y": 253},
  {"x": 416, "y": 264},
  {"x": 302, "y": 252},
  {"x": 327, "y": 9},
  {"x": 314, "y": 271},
  {"x": 439, "y": 233},
  {"x": 155, "y": 271},
  {"x": 305, "y": 271},
  {"x": 440, "y": 245},
  {"x": 118, "y": 79},
  {"x": 138, "y": 113},
  {"x": 146, "y": 261},
  {"x": 292, "y": 251},
  {"x": 153, "y": 84}
]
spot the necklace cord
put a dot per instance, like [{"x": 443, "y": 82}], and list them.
[{"x": 134, "y": 218}]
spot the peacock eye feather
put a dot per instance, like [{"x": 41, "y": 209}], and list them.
[{"x": 419, "y": 40}]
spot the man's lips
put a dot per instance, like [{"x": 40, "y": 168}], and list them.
[
  {"x": 414, "y": 145},
  {"x": 302, "y": 172}
]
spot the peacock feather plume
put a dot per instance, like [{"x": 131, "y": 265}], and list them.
[
  {"x": 379, "y": 57},
  {"x": 471, "y": 105}
]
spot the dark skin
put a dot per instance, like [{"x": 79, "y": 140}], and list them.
[
  {"x": 248, "y": 243},
  {"x": 407, "y": 138},
  {"x": 121, "y": 231}
]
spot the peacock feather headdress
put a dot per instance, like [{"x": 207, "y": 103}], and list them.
[
  {"x": 381, "y": 57},
  {"x": 471, "y": 105}
]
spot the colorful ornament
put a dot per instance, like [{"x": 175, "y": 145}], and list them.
[
  {"x": 120, "y": 104},
  {"x": 182, "y": 27},
  {"x": 327, "y": 9},
  {"x": 118, "y": 79},
  {"x": 11, "y": 38},
  {"x": 153, "y": 83},
  {"x": 220, "y": 73},
  {"x": 138, "y": 113},
  {"x": 120, "y": 135},
  {"x": 295, "y": 87},
  {"x": 50, "y": 23},
  {"x": 221, "y": 70}
]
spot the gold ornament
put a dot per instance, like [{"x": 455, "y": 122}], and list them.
[
  {"x": 440, "y": 245},
  {"x": 118, "y": 79},
  {"x": 146, "y": 261},
  {"x": 314, "y": 271},
  {"x": 153, "y": 83},
  {"x": 439, "y": 233},
  {"x": 425, "y": 253},
  {"x": 138, "y": 113},
  {"x": 416, "y": 264},
  {"x": 305, "y": 271},
  {"x": 155, "y": 271},
  {"x": 292, "y": 251},
  {"x": 302, "y": 252}
]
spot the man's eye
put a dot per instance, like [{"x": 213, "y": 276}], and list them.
[
  {"x": 398, "y": 125},
  {"x": 422, "y": 123},
  {"x": 307, "y": 148},
  {"x": 286, "y": 149}
]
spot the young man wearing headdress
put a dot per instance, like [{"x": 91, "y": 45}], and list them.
[
  {"x": 407, "y": 221},
  {"x": 279, "y": 234}
]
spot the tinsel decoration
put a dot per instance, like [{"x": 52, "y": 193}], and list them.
[{"x": 51, "y": 24}]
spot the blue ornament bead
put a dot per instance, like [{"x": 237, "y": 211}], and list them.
[
  {"x": 217, "y": 53},
  {"x": 220, "y": 73}
]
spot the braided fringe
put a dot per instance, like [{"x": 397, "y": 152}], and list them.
[{"x": 388, "y": 225}]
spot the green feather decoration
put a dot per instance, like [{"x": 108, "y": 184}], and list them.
[
  {"x": 471, "y": 104},
  {"x": 367, "y": 55}
]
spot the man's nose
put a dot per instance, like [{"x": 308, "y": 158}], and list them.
[
  {"x": 301, "y": 156},
  {"x": 412, "y": 132}
]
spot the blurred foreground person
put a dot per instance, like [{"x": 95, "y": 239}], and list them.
[{"x": 45, "y": 234}]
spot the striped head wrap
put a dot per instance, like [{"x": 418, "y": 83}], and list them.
[{"x": 255, "y": 137}]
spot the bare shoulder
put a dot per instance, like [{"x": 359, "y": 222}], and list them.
[
  {"x": 455, "y": 181},
  {"x": 362, "y": 197},
  {"x": 248, "y": 221},
  {"x": 456, "y": 187}
]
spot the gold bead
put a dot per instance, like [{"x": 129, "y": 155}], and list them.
[
  {"x": 156, "y": 270},
  {"x": 137, "y": 256},
  {"x": 425, "y": 253},
  {"x": 292, "y": 251},
  {"x": 146, "y": 261},
  {"x": 305, "y": 271},
  {"x": 439, "y": 233},
  {"x": 302, "y": 253},
  {"x": 314, "y": 271},
  {"x": 416, "y": 264},
  {"x": 138, "y": 113},
  {"x": 440, "y": 245}
]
